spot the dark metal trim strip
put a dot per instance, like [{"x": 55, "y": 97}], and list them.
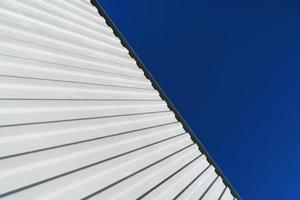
[
  {"x": 88, "y": 166},
  {"x": 82, "y": 141},
  {"x": 169, "y": 177},
  {"x": 164, "y": 96}
]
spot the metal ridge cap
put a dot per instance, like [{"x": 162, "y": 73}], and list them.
[{"x": 163, "y": 95}]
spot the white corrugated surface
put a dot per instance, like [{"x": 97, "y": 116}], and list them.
[{"x": 78, "y": 118}]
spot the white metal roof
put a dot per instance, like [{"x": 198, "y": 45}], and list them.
[{"x": 80, "y": 120}]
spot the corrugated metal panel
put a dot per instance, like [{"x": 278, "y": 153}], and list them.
[{"x": 78, "y": 117}]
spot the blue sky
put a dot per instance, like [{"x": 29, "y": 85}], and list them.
[{"x": 232, "y": 69}]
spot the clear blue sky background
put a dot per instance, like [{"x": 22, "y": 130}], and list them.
[{"x": 232, "y": 69}]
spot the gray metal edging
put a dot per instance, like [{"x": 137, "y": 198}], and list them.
[{"x": 164, "y": 97}]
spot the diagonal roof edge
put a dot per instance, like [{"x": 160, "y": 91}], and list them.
[{"x": 165, "y": 97}]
